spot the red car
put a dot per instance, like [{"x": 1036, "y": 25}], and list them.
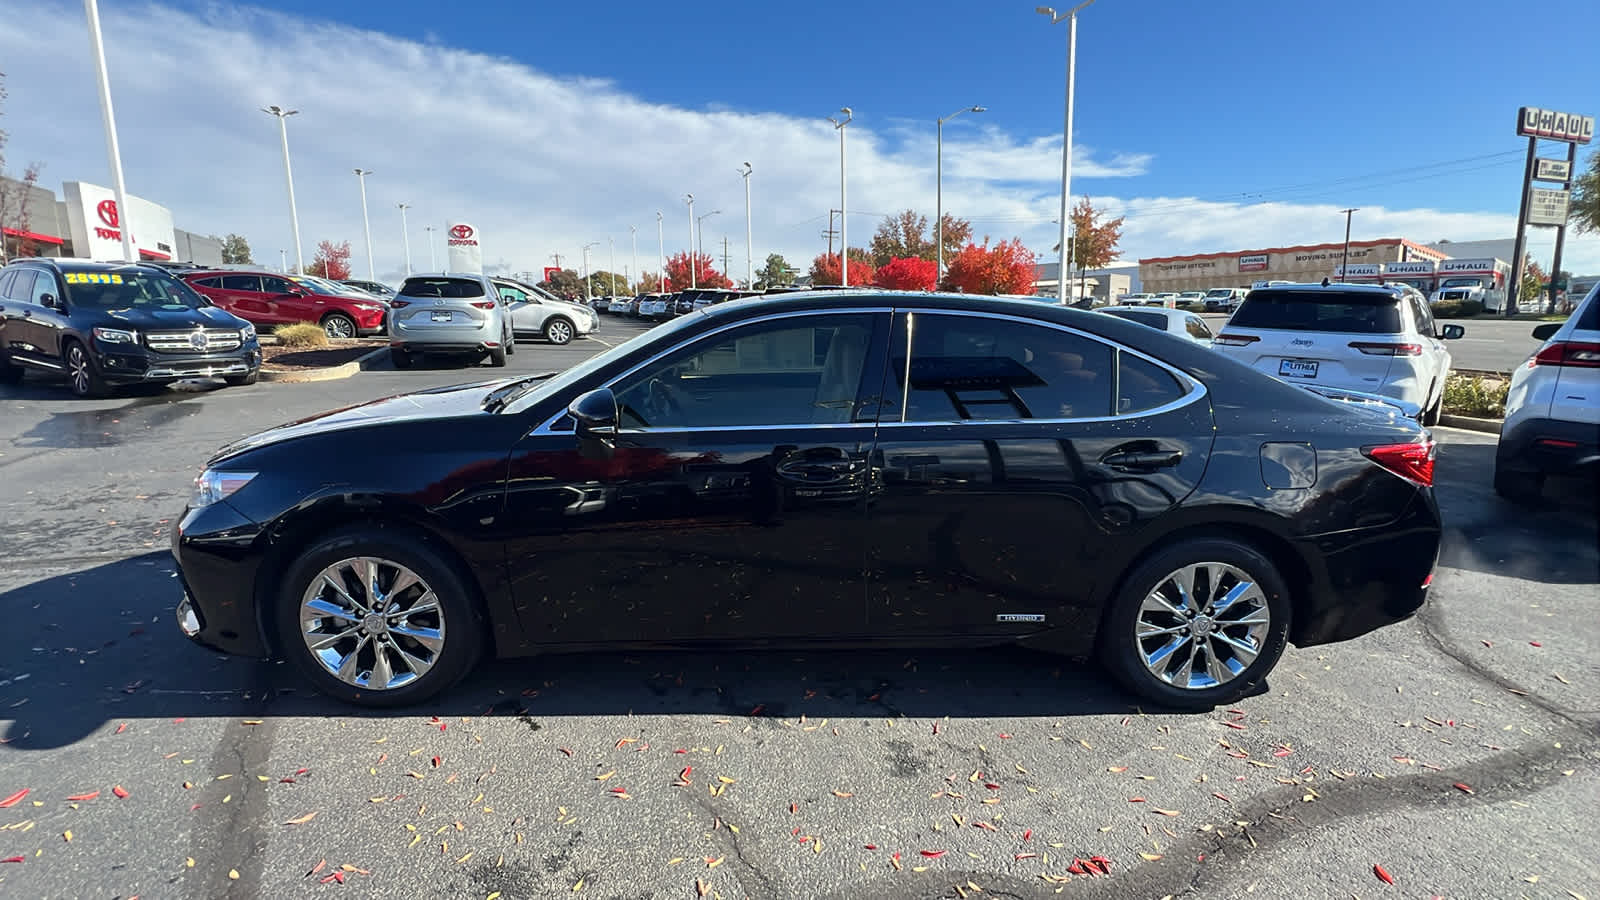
[{"x": 267, "y": 299}]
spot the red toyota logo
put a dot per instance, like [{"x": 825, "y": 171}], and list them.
[
  {"x": 108, "y": 212},
  {"x": 461, "y": 232}
]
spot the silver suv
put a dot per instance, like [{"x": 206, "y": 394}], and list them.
[
  {"x": 455, "y": 313},
  {"x": 536, "y": 313}
]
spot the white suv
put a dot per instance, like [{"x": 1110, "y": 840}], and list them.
[
  {"x": 1370, "y": 338},
  {"x": 1553, "y": 407}
]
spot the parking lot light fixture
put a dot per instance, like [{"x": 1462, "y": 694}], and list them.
[
  {"x": 692, "y": 280},
  {"x": 433, "y": 260},
  {"x": 938, "y": 185},
  {"x": 844, "y": 241},
  {"x": 1071, "y": 18},
  {"x": 405, "y": 235},
  {"x": 586, "y": 295},
  {"x": 633, "y": 232},
  {"x": 366, "y": 225},
  {"x": 749, "y": 258},
  {"x": 700, "y": 235},
  {"x": 91, "y": 9},
  {"x": 288, "y": 174},
  {"x": 613, "y": 245},
  {"x": 661, "y": 253}
]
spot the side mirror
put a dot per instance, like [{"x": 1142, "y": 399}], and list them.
[
  {"x": 1451, "y": 332},
  {"x": 1546, "y": 331},
  {"x": 49, "y": 301},
  {"x": 595, "y": 414}
]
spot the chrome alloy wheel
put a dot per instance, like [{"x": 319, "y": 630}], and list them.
[
  {"x": 338, "y": 327},
  {"x": 372, "y": 623},
  {"x": 78, "y": 369},
  {"x": 559, "y": 332},
  {"x": 1202, "y": 625}
]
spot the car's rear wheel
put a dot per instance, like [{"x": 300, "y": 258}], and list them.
[
  {"x": 511, "y": 342},
  {"x": 9, "y": 374},
  {"x": 400, "y": 358},
  {"x": 377, "y": 617},
  {"x": 1197, "y": 625},
  {"x": 1430, "y": 416},
  {"x": 559, "y": 331},
  {"x": 338, "y": 325},
  {"x": 497, "y": 357},
  {"x": 1518, "y": 485},
  {"x": 81, "y": 374}
]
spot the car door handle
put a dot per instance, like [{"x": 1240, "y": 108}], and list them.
[
  {"x": 1142, "y": 460},
  {"x": 816, "y": 471}
]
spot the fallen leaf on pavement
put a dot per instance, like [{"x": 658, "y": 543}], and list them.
[
  {"x": 79, "y": 797},
  {"x": 119, "y": 791},
  {"x": 1383, "y": 874},
  {"x": 302, "y": 819},
  {"x": 14, "y": 799}
]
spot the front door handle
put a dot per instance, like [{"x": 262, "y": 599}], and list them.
[{"x": 1143, "y": 460}]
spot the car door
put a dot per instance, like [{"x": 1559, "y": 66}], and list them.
[
  {"x": 1011, "y": 477},
  {"x": 1434, "y": 349},
  {"x": 241, "y": 295},
  {"x": 732, "y": 505},
  {"x": 290, "y": 301},
  {"x": 48, "y": 322},
  {"x": 16, "y": 296},
  {"x": 527, "y": 316}
]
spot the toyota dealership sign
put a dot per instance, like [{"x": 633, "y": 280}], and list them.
[
  {"x": 95, "y": 223},
  {"x": 463, "y": 253}
]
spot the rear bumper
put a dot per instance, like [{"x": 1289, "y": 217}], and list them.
[
  {"x": 442, "y": 346},
  {"x": 1549, "y": 445}
]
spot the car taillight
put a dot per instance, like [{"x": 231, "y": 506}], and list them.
[
  {"x": 1372, "y": 348},
  {"x": 1235, "y": 340},
  {"x": 399, "y": 304},
  {"x": 1413, "y": 462},
  {"x": 483, "y": 304},
  {"x": 1578, "y": 354}
]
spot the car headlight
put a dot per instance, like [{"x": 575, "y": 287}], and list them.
[
  {"x": 212, "y": 485},
  {"x": 247, "y": 333},
  {"x": 116, "y": 335}
]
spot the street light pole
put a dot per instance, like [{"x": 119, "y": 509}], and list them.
[
  {"x": 1344, "y": 266},
  {"x": 586, "y": 297},
  {"x": 938, "y": 187},
  {"x": 749, "y": 258},
  {"x": 366, "y": 225},
  {"x": 692, "y": 253},
  {"x": 283, "y": 261},
  {"x": 612, "y": 244},
  {"x": 405, "y": 235},
  {"x": 700, "y": 228},
  {"x": 633, "y": 231},
  {"x": 1071, "y": 18},
  {"x": 288, "y": 175},
  {"x": 91, "y": 10},
  {"x": 661, "y": 254},
  {"x": 844, "y": 244},
  {"x": 433, "y": 261}
]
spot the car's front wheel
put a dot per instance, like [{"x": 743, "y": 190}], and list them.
[
  {"x": 1198, "y": 624},
  {"x": 378, "y": 617},
  {"x": 81, "y": 374},
  {"x": 559, "y": 331},
  {"x": 338, "y": 325}
]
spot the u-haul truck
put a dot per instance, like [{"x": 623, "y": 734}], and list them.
[
  {"x": 1421, "y": 274},
  {"x": 1481, "y": 279}
]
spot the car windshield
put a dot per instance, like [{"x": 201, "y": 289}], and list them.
[
  {"x": 1153, "y": 319},
  {"x": 1462, "y": 282},
  {"x": 128, "y": 290},
  {"x": 1191, "y": 294},
  {"x": 1355, "y": 313},
  {"x": 448, "y": 288},
  {"x": 327, "y": 288},
  {"x": 1220, "y": 292}
]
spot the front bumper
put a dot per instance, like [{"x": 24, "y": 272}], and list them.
[
  {"x": 1549, "y": 445},
  {"x": 215, "y": 548},
  {"x": 130, "y": 368}
]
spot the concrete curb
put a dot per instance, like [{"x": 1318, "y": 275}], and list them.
[
  {"x": 328, "y": 373},
  {"x": 1470, "y": 423}
]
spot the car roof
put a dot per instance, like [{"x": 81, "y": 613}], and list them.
[
  {"x": 81, "y": 264},
  {"x": 1339, "y": 287}
]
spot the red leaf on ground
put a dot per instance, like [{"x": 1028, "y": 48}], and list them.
[
  {"x": 1382, "y": 874},
  {"x": 1535, "y": 644},
  {"x": 992, "y": 786},
  {"x": 14, "y": 799},
  {"x": 1235, "y": 726},
  {"x": 1004, "y": 736},
  {"x": 119, "y": 791},
  {"x": 934, "y": 854},
  {"x": 758, "y": 708},
  {"x": 1463, "y": 788},
  {"x": 12, "y": 859},
  {"x": 569, "y": 752},
  {"x": 1488, "y": 643},
  {"x": 89, "y": 796},
  {"x": 1027, "y": 835},
  {"x": 317, "y": 868},
  {"x": 436, "y": 761},
  {"x": 1022, "y": 856},
  {"x": 936, "y": 728},
  {"x": 121, "y": 728},
  {"x": 1135, "y": 799},
  {"x": 1077, "y": 868},
  {"x": 869, "y": 846}
]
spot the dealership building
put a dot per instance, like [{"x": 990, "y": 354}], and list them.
[
  {"x": 87, "y": 223},
  {"x": 1308, "y": 263}
]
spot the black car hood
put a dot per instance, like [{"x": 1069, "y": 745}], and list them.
[
  {"x": 456, "y": 401},
  {"x": 170, "y": 319}
]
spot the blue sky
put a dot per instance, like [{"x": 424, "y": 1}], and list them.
[{"x": 1189, "y": 115}]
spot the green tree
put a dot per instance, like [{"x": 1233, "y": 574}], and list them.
[
  {"x": 956, "y": 235},
  {"x": 900, "y": 236},
  {"x": 777, "y": 271},
  {"x": 236, "y": 250},
  {"x": 565, "y": 284},
  {"x": 1532, "y": 281},
  {"x": 1586, "y": 196},
  {"x": 1094, "y": 238},
  {"x": 601, "y": 280}
]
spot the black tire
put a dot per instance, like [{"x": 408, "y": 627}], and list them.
[
  {"x": 1124, "y": 655},
  {"x": 9, "y": 374},
  {"x": 339, "y": 325},
  {"x": 1520, "y": 486},
  {"x": 82, "y": 377},
  {"x": 511, "y": 343},
  {"x": 1430, "y": 416},
  {"x": 462, "y": 617},
  {"x": 559, "y": 331},
  {"x": 497, "y": 357},
  {"x": 400, "y": 358},
  {"x": 242, "y": 380}
]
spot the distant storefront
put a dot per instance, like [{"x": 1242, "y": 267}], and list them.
[
  {"x": 88, "y": 223},
  {"x": 1312, "y": 262}
]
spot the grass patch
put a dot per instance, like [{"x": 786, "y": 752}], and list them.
[
  {"x": 1457, "y": 309},
  {"x": 301, "y": 335},
  {"x": 1483, "y": 398}
]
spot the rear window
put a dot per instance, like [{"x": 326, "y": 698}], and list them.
[
  {"x": 448, "y": 288},
  {"x": 1154, "y": 320},
  {"x": 1349, "y": 313},
  {"x": 1589, "y": 320}
]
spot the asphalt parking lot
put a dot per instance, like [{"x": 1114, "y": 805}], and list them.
[{"x": 1457, "y": 751}]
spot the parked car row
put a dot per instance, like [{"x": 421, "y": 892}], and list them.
[
  {"x": 474, "y": 317},
  {"x": 660, "y": 306},
  {"x": 269, "y": 299}
]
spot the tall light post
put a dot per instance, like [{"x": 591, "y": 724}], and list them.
[
  {"x": 613, "y": 245},
  {"x": 700, "y": 230},
  {"x": 693, "y": 279},
  {"x": 749, "y": 259},
  {"x": 366, "y": 226},
  {"x": 586, "y": 247},
  {"x": 288, "y": 175},
  {"x": 938, "y": 187},
  {"x": 1071, "y": 18},
  {"x": 661, "y": 253},
  {"x": 91, "y": 11},
  {"x": 633, "y": 231},
  {"x": 405, "y": 235},
  {"x": 283, "y": 260},
  {"x": 844, "y": 243},
  {"x": 433, "y": 261}
]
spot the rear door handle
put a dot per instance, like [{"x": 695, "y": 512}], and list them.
[{"x": 1143, "y": 460}]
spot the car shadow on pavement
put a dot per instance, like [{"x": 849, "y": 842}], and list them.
[
  {"x": 142, "y": 408},
  {"x": 91, "y": 647},
  {"x": 1555, "y": 541}
]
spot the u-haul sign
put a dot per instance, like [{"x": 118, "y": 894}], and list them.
[{"x": 1556, "y": 126}]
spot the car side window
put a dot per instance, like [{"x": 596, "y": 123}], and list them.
[
  {"x": 966, "y": 368},
  {"x": 1196, "y": 327},
  {"x": 273, "y": 285},
  {"x": 1425, "y": 323},
  {"x": 512, "y": 295},
  {"x": 1143, "y": 385},
  {"x": 6, "y": 279},
  {"x": 21, "y": 286},
  {"x": 214, "y": 281},
  {"x": 241, "y": 282},
  {"x": 43, "y": 283},
  {"x": 791, "y": 371}
]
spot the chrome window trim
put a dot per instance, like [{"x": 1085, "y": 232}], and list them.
[{"x": 1194, "y": 388}]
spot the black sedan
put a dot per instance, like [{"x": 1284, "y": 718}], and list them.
[{"x": 839, "y": 469}]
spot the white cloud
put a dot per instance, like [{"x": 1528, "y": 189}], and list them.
[{"x": 541, "y": 164}]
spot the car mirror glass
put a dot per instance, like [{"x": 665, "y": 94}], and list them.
[
  {"x": 48, "y": 301},
  {"x": 1546, "y": 331},
  {"x": 595, "y": 413},
  {"x": 1451, "y": 332}
]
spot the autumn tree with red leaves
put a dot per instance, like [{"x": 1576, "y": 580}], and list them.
[
  {"x": 825, "y": 268},
  {"x": 678, "y": 272},
  {"x": 908, "y": 273},
  {"x": 331, "y": 262},
  {"x": 1005, "y": 268}
]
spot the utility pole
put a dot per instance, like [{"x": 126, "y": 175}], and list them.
[
  {"x": 830, "y": 232},
  {"x": 1344, "y": 267},
  {"x": 557, "y": 258},
  {"x": 724, "y": 254},
  {"x": 749, "y": 250},
  {"x": 1561, "y": 231},
  {"x": 633, "y": 231},
  {"x": 661, "y": 254}
]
